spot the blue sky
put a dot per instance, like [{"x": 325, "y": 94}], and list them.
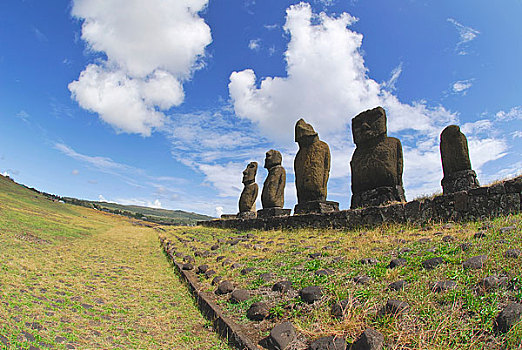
[{"x": 164, "y": 102}]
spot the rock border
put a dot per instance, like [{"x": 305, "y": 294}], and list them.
[{"x": 224, "y": 326}]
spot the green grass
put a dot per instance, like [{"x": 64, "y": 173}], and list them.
[
  {"x": 75, "y": 277},
  {"x": 457, "y": 319}
]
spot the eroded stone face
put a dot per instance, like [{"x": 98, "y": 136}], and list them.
[
  {"x": 273, "y": 195},
  {"x": 247, "y": 201},
  {"x": 377, "y": 162},
  {"x": 311, "y": 164}
]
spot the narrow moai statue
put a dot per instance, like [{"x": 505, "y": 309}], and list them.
[
  {"x": 376, "y": 163},
  {"x": 247, "y": 201},
  {"x": 312, "y": 169},
  {"x": 456, "y": 166},
  {"x": 273, "y": 195}
]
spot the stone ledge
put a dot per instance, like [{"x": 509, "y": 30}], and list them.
[{"x": 225, "y": 327}]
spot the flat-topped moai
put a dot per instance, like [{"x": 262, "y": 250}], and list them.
[
  {"x": 456, "y": 165},
  {"x": 273, "y": 195},
  {"x": 312, "y": 169},
  {"x": 376, "y": 163},
  {"x": 247, "y": 201}
]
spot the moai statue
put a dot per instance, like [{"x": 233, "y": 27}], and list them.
[
  {"x": 376, "y": 163},
  {"x": 273, "y": 195},
  {"x": 247, "y": 201},
  {"x": 312, "y": 168},
  {"x": 456, "y": 166}
]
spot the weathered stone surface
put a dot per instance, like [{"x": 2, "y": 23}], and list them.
[
  {"x": 396, "y": 307},
  {"x": 476, "y": 262},
  {"x": 361, "y": 279},
  {"x": 273, "y": 195},
  {"x": 328, "y": 343},
  {"x": 323, "y": 272},
  {"x": 225, "y": 287},
  {"x": 397, "y": 262},
  {"x": 209, "y": 273},
  {"x": 258, "y": 311},
  {"x": 282, "y": 286},
  {"x": 281, "y": 336},
  {"x": 311, "y": 294},
  {"x": 339, "y": 309},
  {"x": 270, "y": 212},
  {"x": 369, "y": 261},
  {"x": 187, "y": 266},
  {"x": 239, "y": 295},
  {"x": 376, "y": 163},
  {"x": 432, "y": 263},
  {"x": 202, "y": 268},
  {"x": 316, "y": 207},
  {"x": 456, "y": 166},
  {"x": 247, "y": 201},
  {"x": 489, "y": 283},
  {"x": 397, "y": 285},
  {"x": 311, "y": 164},
  {"x": 216, "y": 280},
  {"x": 512, "y": 253},
  {"x": 370, "y": 339},
  {"x": 442, "y": 286},
  {"x": 507, "y": 318}
]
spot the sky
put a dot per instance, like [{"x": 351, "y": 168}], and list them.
[{"x": 163, "y": 103}]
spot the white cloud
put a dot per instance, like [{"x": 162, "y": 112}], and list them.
[
  {"x": 271, "y": 26},
  {"x": 466, "y": 34},
  {"x": 101, "y": 163},
  {"x": 395, "y": 74},
  {"x": 101, "y": 198},
  {"x": 151, "y": 48},
  {"x": 517, "y": 134},
  {"x": 140, "y": 202},
  {"x": 218, "y": 212},
  {"x": 480, "y": 126},
  {"x": 462, "y": 86},
  {"x": 75, "y": 172},
  {"x": 514, "y": 113},
  {"x": 254, "y": 44}
]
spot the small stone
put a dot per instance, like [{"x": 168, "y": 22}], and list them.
[
  {"x": 323, "y": 272},
  {"x": 258, "y": 311},
  {"x": 236, "y": 265},
  {"x": 187, "y": 266},
  {"x": 507, "y": 318},
  {"x": 202, "y": 268},
  {"x": 424, "y": 240},
  {"x": 431, "y": 250},
  {"x": 489, "y": 283},
  {"x": 396, "y": 307},
  {"x": 479, "y": 234},
  {"x": 209, "y": 273},
  {"x": 328, "y": 343},
  {"x": 432, "y": 263},
  {"x": 397, "y": 262},
  {"x": 465, "y": 246},
  {"x": 216, "y": 280},
  {"x": 448, "y": 238},
  {"x": 369, "y": 261},
  {"x": 214, "y": 247},
  {"x": 219, "y": 258},
  {"x": 311, "y": 294},
  {"x": 405, "y": 250},
  {"x": 476, "y": 262},
  {"x": 239, "y": 295},
  {"x": 225, "y": 287},
  {"x": 246, "y": 270},
  {"x": 189, "y": 259},
  {"x": 266, "y": 277},
  {"x": 362, "y": 279},
  {"x": 512, "y": 253},
  {"x": 442, "y": 286},
  {"x": 226, "y": 262},
  {"x": 282, "y": 286},
  {"x": 314, "y": 255},
  {"x": 370, "y": 339},
  {"x": 338, "y": 309},
  {"x": 281, "y": 335},
  {"x": 397, "y": 285},
  {"x": 507, "y": 229}
]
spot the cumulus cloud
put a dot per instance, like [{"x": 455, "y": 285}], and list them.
[
  {"x": 254, "y": 44},
  {"x": 151, "y": 47},
  {"x": 462, "y": 86},
  {"x": 466, "y": 34},
  {"x": 514, "y": 113}
]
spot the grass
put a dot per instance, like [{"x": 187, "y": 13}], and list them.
[
  {"x": 456, "y": 319},
  {"x": 72, "y": 277}
]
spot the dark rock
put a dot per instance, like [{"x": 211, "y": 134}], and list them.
[
  {"x": 397, "y": 262},
  {"x": 219, "y": 258},
  {"x": 281, "y": 336},
  {"x": 266, "y": 277},
  {"x": 362, "y": 279},
  {"x": 225, "y": 287},
  {"x": 189, "y": 259},
  {"x": 236, "y": 266},
  {"x": 216, "y": 280},
  {"x": 479, "y": 234},
  {"x": 239, "y": 295},
  {"x": 338, "y": 309},
  {"x": 424, "y": 240},
  {"x": 258, "y": 311},
  {"x": 247, "y": 200},
  {"x": 465, "y": 246},
  {"x": 476, "y": 262},
  {"x": 202, "y": 269},
  {"x": 507, "y": 229},
  {"x": 324, "y": 272},
  {"x": 489, "y": 283},
  {"x": 328, "y": 343},
  {"x": 396, "y": 307},
  {"x": 448, "y": 238},
  {"x": 187, "y": 266},
  {"x": 397, "y": 285},
  {"x": 214, "y": 247},
  {"x": 442, "y": 286},
  {"x": 370, "y": 339},
  {"x": 282, "y": 286},
  {"x": 311, "y": 294},
  {"x": 273, "y": 195},
  {"x": 315, "y": 255},
  {"x": 512, "y": 253},
  {"x": 432, "y": 263},
  {"x": 247, "y": 270},
  {"x": 507, "y": 318},
  {"x": 431, "y": 250},
  {"x": 226, "y": 262},
  {"x": 209, "y": 273},
  {"x": 369, "y": 261}
]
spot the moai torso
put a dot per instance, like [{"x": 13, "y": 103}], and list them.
[
  {"x": 247, "y": 201},
  {"x": 311, "y": 164},
  {"x": 273, "y": 195},
  {"x": 377, "y": 162}
]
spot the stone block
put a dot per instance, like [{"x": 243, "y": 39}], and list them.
[
  {"x": 271, "y": 212},
  {"x": 316, "y": 207}
]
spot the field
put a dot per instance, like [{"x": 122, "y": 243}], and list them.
[
  {"x": 452, "y": 305},
  {"x": 76, "y": 278}
]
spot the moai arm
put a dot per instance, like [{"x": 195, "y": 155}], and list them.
[
  {"x": 399, "y": 162},
  {"x": 326, "y": 168}
]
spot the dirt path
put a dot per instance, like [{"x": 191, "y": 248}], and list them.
[{"x": 107, "y": 290}]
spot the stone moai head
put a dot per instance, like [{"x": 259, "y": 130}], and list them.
[
  {"x": 369, "y": 125},
  {"x": 249, "y": 174},
  {"x": 454, "y": 150},
  {"x": 273, "y": 158},
  {"x": 304, "y": 133}
]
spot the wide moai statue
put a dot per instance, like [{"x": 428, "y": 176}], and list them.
[
  {"x": 247, "y": 201},
  {"x": 312, "y": 169},
  {"x": 273, "y": 195},
  {"x": 456, "y": 166},
  {"x": 376, "y": 163}
]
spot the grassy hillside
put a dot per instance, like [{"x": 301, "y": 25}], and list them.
[
  {"x": 77, "y": 278},
  {"x": 449, "y": 306}
]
